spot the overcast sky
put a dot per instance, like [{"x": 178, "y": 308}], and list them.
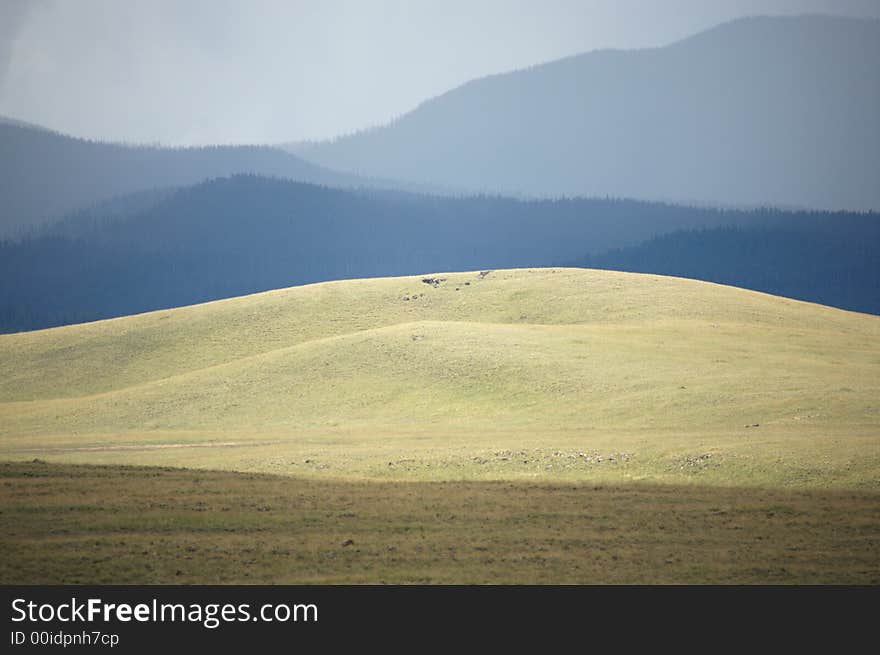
[{"x": 263, "y": 71}]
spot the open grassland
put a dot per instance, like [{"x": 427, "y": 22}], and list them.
[
  {"x": 523, "y": 374},
  {"x": 64, "y": 523},
  {"x": 456, "y": 430}
]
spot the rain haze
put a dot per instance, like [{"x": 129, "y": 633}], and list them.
[{"x": 184, "y": 73}]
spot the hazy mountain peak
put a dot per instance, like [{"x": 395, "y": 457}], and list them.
[{"x": 780, "y": 111}]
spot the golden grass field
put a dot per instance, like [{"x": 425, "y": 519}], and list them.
[{"x": 474, "y": 398}]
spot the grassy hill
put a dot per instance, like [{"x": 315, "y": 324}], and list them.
[
  {"x": 543, "y": 374},
  {"x": 513, "y": 426}
]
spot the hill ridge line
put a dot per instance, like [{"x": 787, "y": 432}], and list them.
[
  {"x": 609, "y": 327},
  {"x": 296, "y": 346},
  {"x": 60, "y": 329}
]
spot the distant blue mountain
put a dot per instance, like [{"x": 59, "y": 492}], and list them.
[
  {"x": 761, "y": 111},
  {"x": 45, "y": 175}
]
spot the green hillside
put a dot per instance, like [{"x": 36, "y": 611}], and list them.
[{"x": 547, "y": 374}]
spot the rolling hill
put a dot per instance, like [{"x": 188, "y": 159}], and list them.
[
  {"x": 778, "y": 111},
  {"x": 513, "y": 374},
  {"x": 507, "y": 426}
]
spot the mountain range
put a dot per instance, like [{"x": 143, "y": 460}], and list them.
[
  {"x": 780, "y": 111},
  {"x": 45, "y": 175}
]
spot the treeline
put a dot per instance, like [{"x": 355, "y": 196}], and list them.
[
  {"x": 833, "y": 262},
  {"x": 245, "y": 234}
]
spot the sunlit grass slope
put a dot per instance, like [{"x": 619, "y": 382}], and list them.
[{"x": 517, "y": 374}]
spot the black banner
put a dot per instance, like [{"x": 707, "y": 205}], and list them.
[{"x": 135, "y": 619}]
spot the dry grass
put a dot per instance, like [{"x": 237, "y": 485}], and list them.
[
  {"x": 526, "y": 426},
  {"x": 87, "y": 524},
  {"x": 348, "y": 379}
]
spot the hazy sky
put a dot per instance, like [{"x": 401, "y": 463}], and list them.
[{"x": 258, "y": 71}]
